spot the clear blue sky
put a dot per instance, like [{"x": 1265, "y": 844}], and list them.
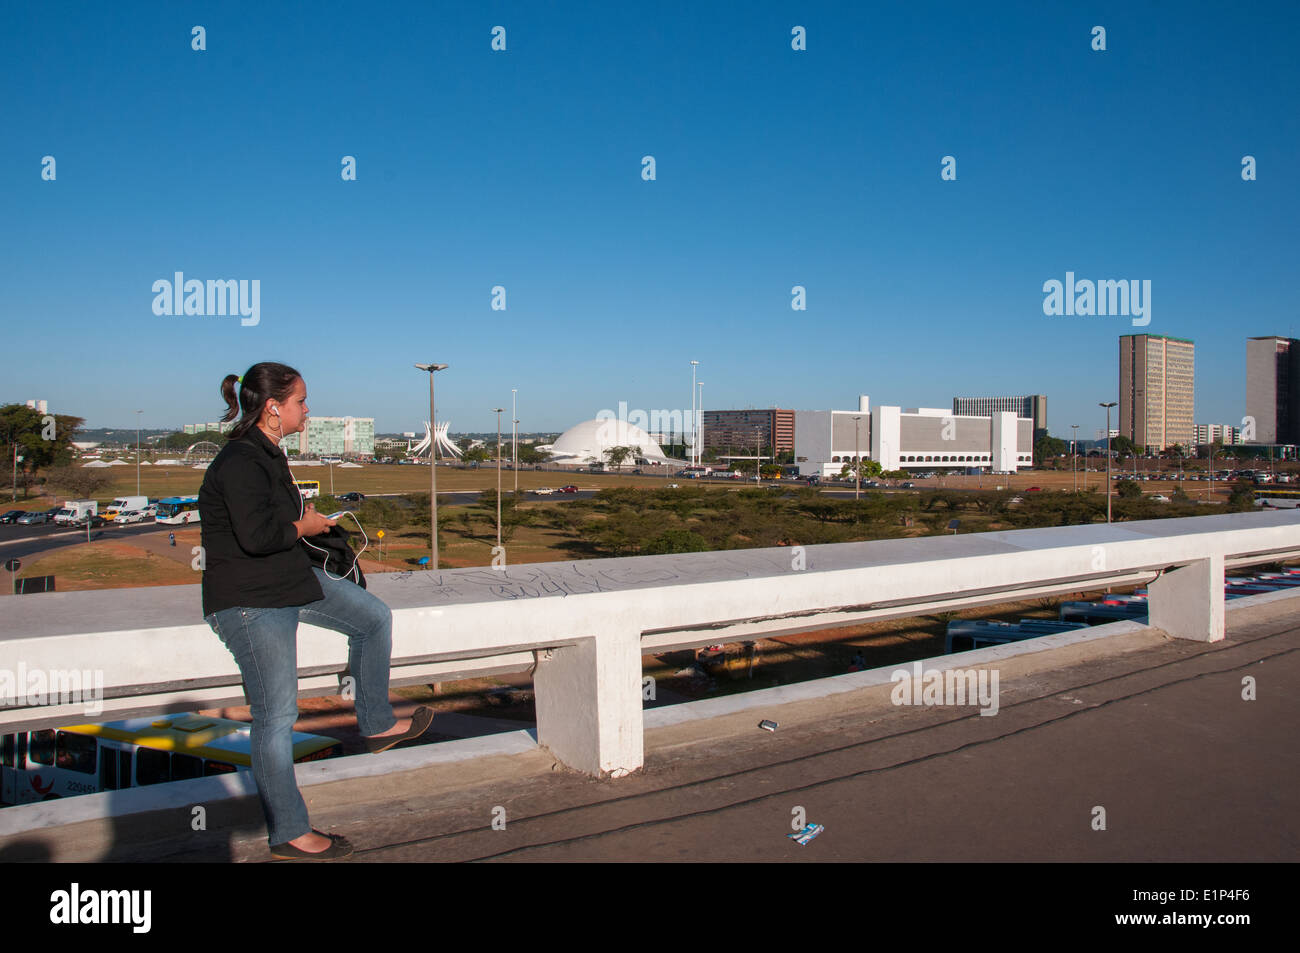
[{"x": 775, "y": 168}]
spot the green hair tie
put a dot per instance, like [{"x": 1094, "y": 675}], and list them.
[{"x": 239, "y": 380}]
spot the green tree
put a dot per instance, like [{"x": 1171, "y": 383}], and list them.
[
  {"x": 675, "y": 541},
  {"x": 1128, "y": 490},
  {"x": 615, "y": 456},
  {"x": 1122, "y": 446},
  {"x": 1048, "y": 448},
  {"x": 42, "y": 440},
  {"x": 530, "y": 455},
  {"x": 870, "y": 469}
]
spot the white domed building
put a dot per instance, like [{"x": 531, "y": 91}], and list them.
[{"x": 586, "y": 443}]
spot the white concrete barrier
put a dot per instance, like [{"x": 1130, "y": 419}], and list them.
[{"x": 585, "y": 625}]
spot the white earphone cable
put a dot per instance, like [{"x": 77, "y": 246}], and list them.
[{"x": 302, "y": 510}]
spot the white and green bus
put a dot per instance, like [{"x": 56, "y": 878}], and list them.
[{"x": 178, "y": 509}]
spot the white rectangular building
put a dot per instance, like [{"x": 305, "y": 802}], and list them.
[{"x": 918, "y": 438}]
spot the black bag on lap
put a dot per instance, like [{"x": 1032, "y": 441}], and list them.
[{"x": 337, "y": 557}]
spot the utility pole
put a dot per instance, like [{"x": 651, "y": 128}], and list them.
[
  {"x": 1108, "y": 480},
  {"x": 1074, "y": 456},
  {"x": 433, "y": 465},
  {"x": 498, "y": 411}
]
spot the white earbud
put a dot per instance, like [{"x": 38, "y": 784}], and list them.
[{"x": 276, "y": 411}]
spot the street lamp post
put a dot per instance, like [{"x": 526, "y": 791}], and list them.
[
  {"x": 137, "y": 451},
  {"x": 1074, "y": 456},
  {"x": 433, "y": 465},
  {"x": 692, "y": 457},
  {"x": 514, "y": 436},
  {"x": 498, "y": 411},
  {"x": 1108, "y": 407}
]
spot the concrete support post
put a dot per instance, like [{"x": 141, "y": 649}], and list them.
[
  {"x": 588, "y": 699},
  {"x": 1188, "y": 602}
]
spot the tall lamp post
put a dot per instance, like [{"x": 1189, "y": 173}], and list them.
[
  {"x": 514, "y": 436},
  {"x": 433, "y": 465},
  {"x": 137, "y": 451},
  {"x": 498, "y": 411},
  {"x": 1108, "y": 407},
  {"x": 694, "y": 364},
  {"x": 1074, "y": 456}
]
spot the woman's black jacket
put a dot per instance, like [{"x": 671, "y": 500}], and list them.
[{"x": 248, "y": 504}]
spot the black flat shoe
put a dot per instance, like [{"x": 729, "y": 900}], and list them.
[
  {"x": 339, "y": 847},
  {"x": 420, "y": 723}
]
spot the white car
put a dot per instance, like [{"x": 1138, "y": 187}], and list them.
[
  {"x": 673, "y": 486},
  {"x": 544, "y": 491},
  {"x": 1160, "y": 498},
  {"x": 130, "y": 516}
]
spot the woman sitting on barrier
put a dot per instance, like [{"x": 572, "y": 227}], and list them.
[{"x": 259, "y": 583}]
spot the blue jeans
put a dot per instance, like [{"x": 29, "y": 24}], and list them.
[{"x": 264, "y": 643}]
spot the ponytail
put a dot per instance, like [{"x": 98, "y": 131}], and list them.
[{"x": 260, "y": 383}]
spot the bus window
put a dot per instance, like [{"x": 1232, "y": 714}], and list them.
[
  {"x": 7, "y": 751},
  {"x": 76, "y": 752},
  {"x": 185, "y": 766},
  {"x": 217, "y": 767},
  {"x": 108, "y": 777},
  {"x": 152, "y": 767},
  {"x": 42, "y": 747}
]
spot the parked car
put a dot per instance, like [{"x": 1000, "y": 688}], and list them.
[
  {"x": 11, "y": 516},
  {"x": 351, "y": 497},
  {"x": 673, "y": 486},
  {"x": 1034, "y": 489},
  {"x": 34, "y": 517},
  {"x": 544, "y": 490},
  {"x": 567, "y": 489},
  {"x": 907, "y": 486}
]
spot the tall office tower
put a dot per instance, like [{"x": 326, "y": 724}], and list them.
[
  {"x": 1273, "y": 388},
  {"x": 1033, "y": 406},
  {"x": 1157, "y": 376},
  {"x": 737, "y": 429}
]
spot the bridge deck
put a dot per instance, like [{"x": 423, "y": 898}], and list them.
[{"x": 1153, "y": 730}]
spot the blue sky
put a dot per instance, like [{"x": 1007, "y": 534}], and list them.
[{"x": 522, "y": 169}]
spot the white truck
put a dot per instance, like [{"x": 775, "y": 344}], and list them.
[
  {"x": 124, "y": 503},
  {"x": 74, "y": 511}
]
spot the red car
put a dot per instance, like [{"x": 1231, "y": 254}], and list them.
[
  {"x": 567, "y": 489},
  {"x": 1034, "y": 489}
]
